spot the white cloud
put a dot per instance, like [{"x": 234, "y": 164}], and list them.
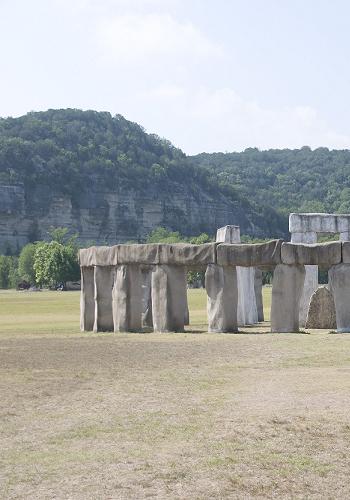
[
  {"x": 221, "y": 120},
  {"x": 133, "y": 38}
]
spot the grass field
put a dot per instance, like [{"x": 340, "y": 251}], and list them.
[{"x": 192, "y": 415}]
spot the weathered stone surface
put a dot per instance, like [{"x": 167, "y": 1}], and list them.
[
  {"x": 187, "y": 255},
  {"x": 246, "y": 308},
  {"x": 98, "y": 256},
  {"x": 87, "y": 300},
  {"x": 246, "y": 255},
  {"x": 168, "y": 298},
  {"x": 346, "y": 252},
  {"x": 320, "y": 254},
  {"x": 319, "y": 223},
  {"x": 104, "y": 278},
  {"x": 127, "y": 298},
  {"x": 321, "y": 312},
  {"x": 222, "y": 297},
  {"x": 287, "y": 287},
  {"x": 339, "y": 279},
  {"x": 258, "y": 293},
  {"x": 147, "y": 319}
]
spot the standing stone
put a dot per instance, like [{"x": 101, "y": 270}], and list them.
[
  {"x": 287, "y": 288},
  {"x": 103, "y": 299},
  {"x": 127, "y": 298},
  {"x": 87, "y": 301},
  {"x": 339, "y": 277},
  {"x": 147, "y": 319},
  {"x": 222, "y": 298},
  {"x": 322, "y": 310},
  {"x": 169, "y": 294},
  {"x": 258, "y": 293},
  {"x": 247, "y": 313}
]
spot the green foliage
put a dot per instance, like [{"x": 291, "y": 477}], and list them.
[
  {"x": 162, "y": 235},
  {"x": 55, "y": 263},
  {"x": 26, "y": 263},
  {"x": 8, "y": 271}
]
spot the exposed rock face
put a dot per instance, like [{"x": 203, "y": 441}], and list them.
[
  {"x": 322, "y": 310},
  {"x": 102, "y": 216}
]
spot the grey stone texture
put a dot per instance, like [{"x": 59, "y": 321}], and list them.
[
  {"x": 104, "y": 279},
  {"x": 346, "y": 252},
  {"x": 287, "y": 288},
  {"x": 339, "y": 277},
  {"x": 321, "y": 312},
  {"x": 222, "y": 298},
  {"x": 246, "y": 309},
  {"x": 147, "y": 319},
  {"x": 320, "y": 254},
  {"x": 127, "y": 298},
  {"x": 169, "y": 292},
  {"x": 258, "y": 284},
  {"x": 87, "y": 299},
  {"x": 246, "y": 255},
  {"x": 319, "y": 223}
]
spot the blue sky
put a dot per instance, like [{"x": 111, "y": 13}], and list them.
[{"x": 208, "y": 75}]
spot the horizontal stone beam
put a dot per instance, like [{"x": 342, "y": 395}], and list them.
[
  {"x": 322, "y": 254},
  {"x": 247, "y": 255},
  {"x": 268, "y": 254},
  {"x": 150, "y": 254},
  {"x": 319, "y": 223}
]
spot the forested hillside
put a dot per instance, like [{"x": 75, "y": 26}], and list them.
[
  {"x": 106, "y": 179},
  {"x": 288, "y": 180}
]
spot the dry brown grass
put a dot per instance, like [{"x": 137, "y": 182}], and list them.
[{"x": 170, "y": 416}]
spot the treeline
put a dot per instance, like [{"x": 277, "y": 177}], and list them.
[
  {"x": 43, "y": 263},
  {"x": 299, "y": 180}
]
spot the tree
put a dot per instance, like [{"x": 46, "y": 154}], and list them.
[
  {"x": 55, "y": 263},
  {"x": 26, "y": 263}
]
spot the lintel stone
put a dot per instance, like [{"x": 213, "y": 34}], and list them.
[
  {"x": 319, "y": 254},
  {"x": 247, "y": 255}
]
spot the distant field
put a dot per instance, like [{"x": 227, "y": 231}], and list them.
[{"x": 192, "y": 415}]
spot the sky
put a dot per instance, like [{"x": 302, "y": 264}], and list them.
[{"x": 208, "y": 75}]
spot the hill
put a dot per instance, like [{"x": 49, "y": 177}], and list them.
[
  {"x": 299, "y": 180},
  {"x": 108, "y": 180}
]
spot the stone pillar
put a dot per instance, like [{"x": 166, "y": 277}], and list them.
[
  {"x": 287, "y": 288},
  {"x": 258, "y": 293},
  {"x": 222, "y": 298},
  {"x": 87, "y": 301},
  {"x": 169, "y": 294},
  {"x": 339, "y": 276},
  {"x": 247, "y": 313},
  {"x": 311, "y": 275},
  {"x": 147, "y": 319},
  {"x": 127, "y": 298},
  {"x": 103, "y": 278}
]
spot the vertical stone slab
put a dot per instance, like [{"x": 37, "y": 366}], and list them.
[
  {"x": 222, "y": 298},
  {"x": 287, "y": 289},
  {"x": 311, "y": 276},
  {"x": 258, "y": 293},
  {"x": 147, "y": 319},
  {"x": 169, "y": 294},
  {"x": 247, "y": 313},
  {"x": 103, "y": 278},
  {"x": 339, "y": 277},
  {"x": 87, "y": 301},
  {"x": 127, "y": 298}
]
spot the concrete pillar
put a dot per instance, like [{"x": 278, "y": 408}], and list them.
[
  {"x": 339, "y": 276},
  {"x": 258, "y": 293},
  {"x": 222, "y": 298},
  {"x": 311, "y": 276},
  {"x": 345, "y": 236},
  {"x": 247, "y": 313},
  {"x": 287, "y": 289},
  {"x": 147, "y": 319},
  {"x": 169, "y": 292},
  {"x": 127, "y": 298},
  {"x": 103, "y": 278},
  {"x": 87, "y": 301}
]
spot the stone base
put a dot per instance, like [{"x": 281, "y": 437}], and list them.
[{"x": 221, "y": 286}]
